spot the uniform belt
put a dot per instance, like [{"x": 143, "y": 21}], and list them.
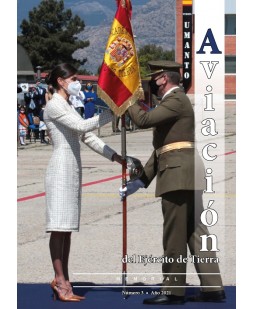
[{"x": 174, "y": 146}]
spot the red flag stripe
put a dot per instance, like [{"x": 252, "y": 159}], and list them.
[
  {"x": 128, "y": 6},
  {"x": 123, "y": 18},
  {"x": 114, "y": 87}
]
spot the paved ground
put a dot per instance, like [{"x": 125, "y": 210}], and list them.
[{"x": 97, "y": 248}]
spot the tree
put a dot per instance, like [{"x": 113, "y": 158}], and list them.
[
  {"x": 50, "y": 35},
  {"x": 152, "y": 52}
]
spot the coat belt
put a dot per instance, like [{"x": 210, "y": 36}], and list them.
[{"x": 174, "y": 146}]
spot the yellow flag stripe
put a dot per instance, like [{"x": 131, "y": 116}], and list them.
[
  {"x": 185, "y": 2},
  {"x": 121, "y": 56}
]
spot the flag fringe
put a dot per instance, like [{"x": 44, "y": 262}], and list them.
[{"x": 119, "y": 111}]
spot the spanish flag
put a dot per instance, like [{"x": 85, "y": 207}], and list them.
[{"x": 119, "y": 83}]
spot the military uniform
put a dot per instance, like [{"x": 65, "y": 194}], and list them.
[{"x": 179, "y": 173}]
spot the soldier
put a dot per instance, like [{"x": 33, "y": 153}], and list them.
[{"x": 174, "y": 163}]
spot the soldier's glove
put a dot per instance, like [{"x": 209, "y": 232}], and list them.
[{"x": 131, "y": 187}]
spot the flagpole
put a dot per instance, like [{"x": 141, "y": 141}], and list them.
[
  {"x": 124, "y": 202},
  {"x": 115, "y": 68}
]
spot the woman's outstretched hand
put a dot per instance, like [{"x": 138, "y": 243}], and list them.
[{"x": 117, "y": 158}]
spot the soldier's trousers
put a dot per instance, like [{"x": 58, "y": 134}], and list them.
[{"x": 182, "y": 226}]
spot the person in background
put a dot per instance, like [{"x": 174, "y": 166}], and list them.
[
  {"x": 29, "y": 98},
  {"x": 89, "y": 101},
  {"x": 115, "y": 124},
  {"x": 35, "y": 99},
  {"x": 31, "y": 109},
  {"x": 42, "y": 126},
  {"x": 78, "y": 102},
  {"x": 63, "y": 179},
  {"x": 129, "y": 123},
  {"x": 19, "y": 88},
  {"x": 23, "y": 124},
  {"x": 20, "y": 96},
  {"x": 48, "y": 96},
  {"x": 40, "y": 99}
]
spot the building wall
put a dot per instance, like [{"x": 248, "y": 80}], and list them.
[
  {"x": 230, "y": 84},
  {"x": 25, "y": 72},
  {"x": 230, "y": 49},
  {"x": 230, "y": 45},
  {"x": 230, "y": 79}
]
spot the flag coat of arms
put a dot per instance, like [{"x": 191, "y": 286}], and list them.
[{"x": 119, "y": 83}]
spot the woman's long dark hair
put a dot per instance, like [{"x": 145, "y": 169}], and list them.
[{"x": 63, "y": 70}]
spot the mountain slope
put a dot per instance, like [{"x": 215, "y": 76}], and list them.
[{"x": 152, "y": 23}]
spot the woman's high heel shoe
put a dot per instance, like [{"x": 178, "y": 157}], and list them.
[
  {"x": 70, "y": 287},
  {"x": 74, "y": 295},
  {"x": 58, "y": 295}
]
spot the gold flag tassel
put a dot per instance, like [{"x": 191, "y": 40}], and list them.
[{"x": 120, "y": 110}]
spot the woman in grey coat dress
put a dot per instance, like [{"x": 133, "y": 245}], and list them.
[{"x": 64, "y": 172}]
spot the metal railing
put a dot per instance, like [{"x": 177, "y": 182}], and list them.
[{"x": 98, "y": 110}]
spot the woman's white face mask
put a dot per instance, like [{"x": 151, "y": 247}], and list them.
[{"x": 74, "y": 88}]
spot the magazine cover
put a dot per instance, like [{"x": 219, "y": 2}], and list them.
[{"x": 126, "y": 153}]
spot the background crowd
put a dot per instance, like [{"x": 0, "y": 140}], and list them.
[{"x": 32, "y": 101}]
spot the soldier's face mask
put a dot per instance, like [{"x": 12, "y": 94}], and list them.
[{"x": 153, "y": 86}]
